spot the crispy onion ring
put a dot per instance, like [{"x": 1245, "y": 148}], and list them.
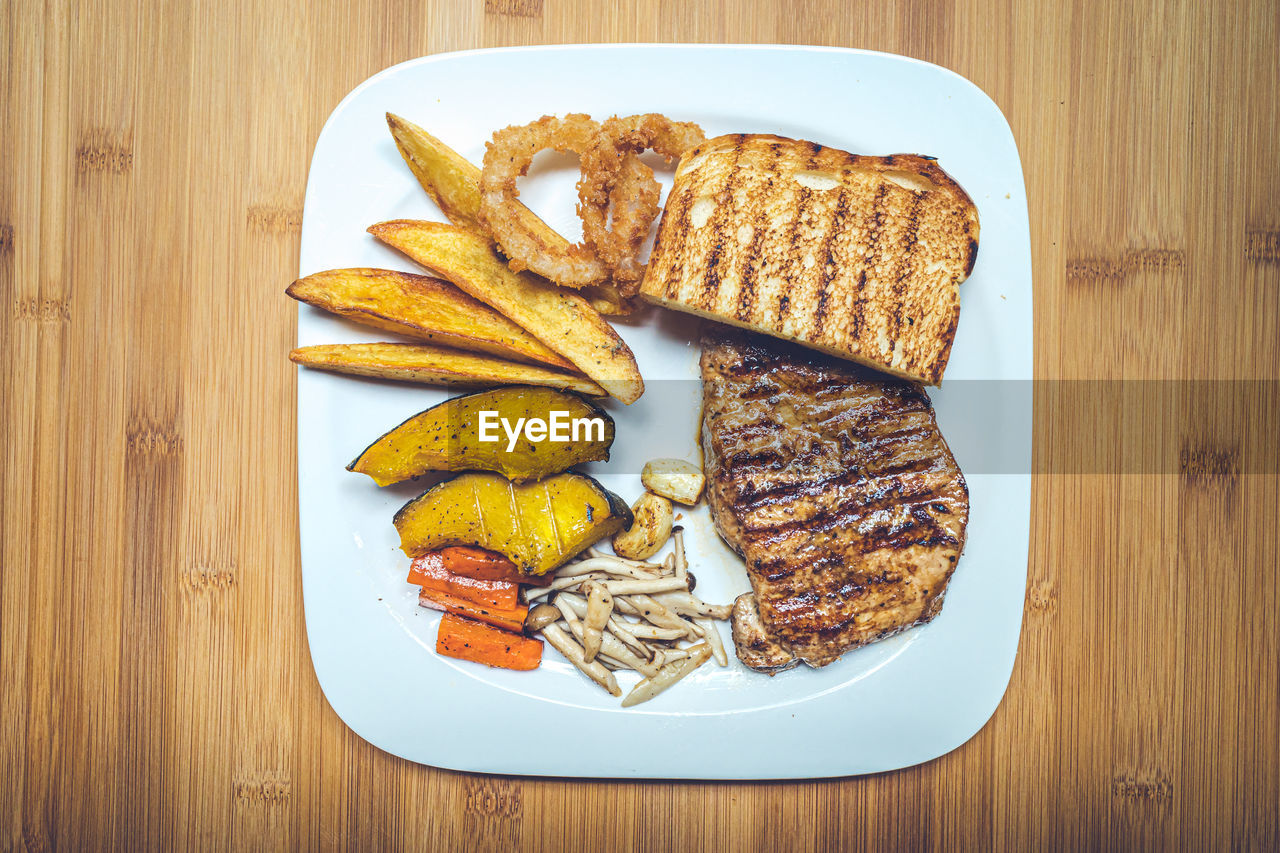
[
  {"x": 507, "y": 158},
  {"x": 617, "y": 208},
  {"x": 615, "y": 181}
]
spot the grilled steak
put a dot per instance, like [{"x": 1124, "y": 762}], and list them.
[
  {"x": 860, "y": 257},
  {"x": 754, "y": 645},
  {"x": 836, "y": 487}
]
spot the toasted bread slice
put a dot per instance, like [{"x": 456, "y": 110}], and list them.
[{"x": 859, "y": 257}]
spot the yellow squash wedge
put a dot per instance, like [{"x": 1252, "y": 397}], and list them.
[
  {"x": 421, "y": 307},
  {"x": 453, "y": 182},
  {"x": 559, "y": 318},
  {"x": 428, "y": 365},
  {"x": 538, "y": 526},
  {"x": 467, "y": 433}
]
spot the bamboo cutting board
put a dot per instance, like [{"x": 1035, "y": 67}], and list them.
[{"x": 156, "y": 685}]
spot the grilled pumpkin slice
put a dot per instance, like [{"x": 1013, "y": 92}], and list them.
[
  {"x": 466, "y": 434},
  {"x": 538, "y": 526}
]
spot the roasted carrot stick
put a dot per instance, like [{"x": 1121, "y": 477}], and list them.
[
  {"x": 486, "y": 565},
  {"x": 507, "y": 618},
  {"x": 470, "y": 640},
  {"x": 429, "y": 573}
]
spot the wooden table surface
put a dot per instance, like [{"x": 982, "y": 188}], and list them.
[{"x": 155, "y": 684}]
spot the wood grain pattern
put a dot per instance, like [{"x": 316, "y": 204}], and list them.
[{"x": 155, "y": 685}]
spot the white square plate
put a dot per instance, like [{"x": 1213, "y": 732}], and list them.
[{"x": 893, "y": 704}]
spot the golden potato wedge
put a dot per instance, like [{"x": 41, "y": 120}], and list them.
[
  {"x": 422, "y": 307},
  {"x": 453, "y": 436},
  {"x": 428, "y": 365},
  {"x": 559, "y": 318},
  {"x": 538, "y": 526},
  {"x": 453, "y": 182}
]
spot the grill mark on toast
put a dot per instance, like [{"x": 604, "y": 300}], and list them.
[
  {"x": 870, "y": 262},
  {"x": 828, "y": 251},
  {"x": 801, "y": 199},
  {"x": 681, "y": 222},
  {"x": 711, "y": 279},
  {"x": 692, "y": 245},
  {"x": 676, "y": 283},
  {"x": 660, "y": 260},
  {"x": 857, "y": 315},
  {"x": 709, "y": 291},
  {"x": 747, "y": 286},
  {"x": 933, "y": 375},
  {"x": 805, "y": 202},
  {"x": 911, "y": 239},
  {"x": 820, "y": 312}
]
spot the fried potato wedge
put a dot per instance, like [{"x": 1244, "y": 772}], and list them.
[
  {"x": 453, "y": 182},
  {"x": 560, "y": 318},
  {"x": 422, "y": 307},
  {"x": 538, "y": 526},
  {"x": 428, "y": 365},
  {"x": 464, "y": 434}
]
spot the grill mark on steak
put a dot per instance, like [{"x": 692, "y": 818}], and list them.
[
  {"x": 838, "y": 490},
  {"x": 920, "y": 530}
]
